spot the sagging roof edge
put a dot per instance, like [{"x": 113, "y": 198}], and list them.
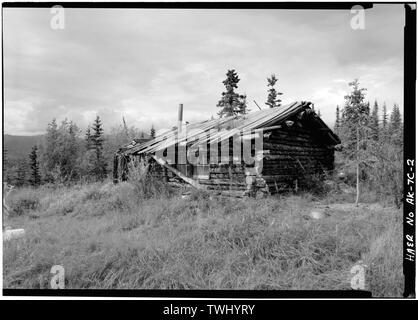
[{"x": 249, "y": 122}]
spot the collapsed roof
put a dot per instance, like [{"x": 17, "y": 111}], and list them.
[{"x": 224, "y": 128}]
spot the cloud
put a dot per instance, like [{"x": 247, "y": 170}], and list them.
[{"x": 140, "y": 64}]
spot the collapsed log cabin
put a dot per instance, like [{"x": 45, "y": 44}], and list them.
[{"x": 264, "y": 152}]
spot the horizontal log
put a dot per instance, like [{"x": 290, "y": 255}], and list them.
[
  {"x": 226, "y": 170},
  {"x": 295, "y": 166},
  {"x": 294, "y": 142},
  {"x": 275, "y": 178},
  {"x": 301, "y": 134},
  {"x": 300, "y": 154},
  {"x": 295, "y": 162},
  {"x": 293, "y": 130},
  {"x": 222, "y": 166},
  {"x": 284, "y": 157},
  {"x": 226, "y": 176},
  {"x": 225, "y": 188},
  {"x": 222, "y": 182},
  {"x": 285, "y": 147}
]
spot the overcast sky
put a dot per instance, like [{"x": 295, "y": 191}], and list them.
[{"x": 141, "y": 64}]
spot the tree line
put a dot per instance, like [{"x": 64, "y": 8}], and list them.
[
  {"x": 371, "y": 145},
  {"x": 66, "y": 155}
]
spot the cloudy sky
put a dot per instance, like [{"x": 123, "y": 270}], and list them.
[{"x": 141, "y": 64}]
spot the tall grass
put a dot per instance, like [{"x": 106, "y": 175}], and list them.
[{"x": 109, "y": 236}]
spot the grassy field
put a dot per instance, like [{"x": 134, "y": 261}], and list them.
[{"x": 106, "y": 236}]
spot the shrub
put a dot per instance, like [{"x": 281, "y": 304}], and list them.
[
  {"x": 315, "y": 183},
  {"x": 146, "y": 186},
  {"x": 23, "y": 201}
]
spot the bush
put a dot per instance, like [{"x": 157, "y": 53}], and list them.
[
  {"x": 23, "y": 201},
  {"x": 315, "y": 183},
  {"x": 146, "y": 186}
]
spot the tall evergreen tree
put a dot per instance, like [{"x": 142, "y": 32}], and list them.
[
  {"x": 395, "y": 119},
  {"x": 355, "y": 114},
  {"x": 35, "y": 177},
  {"x": 395, "y": 130},
  {"x": 51, "y": 154},
  {"x": 384, "y": 117},
  {"x": 367, "y": 112},
  {"x": 88, "y": 138},
  {"x": 355, "y": 129},
  {"x": 100, "y": 169},
  {"x": 374, "y": 121},
  {"x": 21, "y": 173},
  {"x": 72, "y": 150},
  {"x": 232, "y": 103},
  {"x": 337, "y": 124},
  {"x": 272, "y": 98}
]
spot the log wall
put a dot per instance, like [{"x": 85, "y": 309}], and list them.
[{"x": 290, "y": 156}]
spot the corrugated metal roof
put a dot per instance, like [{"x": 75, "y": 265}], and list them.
[{"x": 225, "y": 128}]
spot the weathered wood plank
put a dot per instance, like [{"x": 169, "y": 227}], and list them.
[{"x": 190, "y": 181}]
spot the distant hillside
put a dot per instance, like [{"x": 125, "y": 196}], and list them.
[{"x": 20, "y": 146}]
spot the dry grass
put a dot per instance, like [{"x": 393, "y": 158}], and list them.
[{"x": 108, "y": 236}]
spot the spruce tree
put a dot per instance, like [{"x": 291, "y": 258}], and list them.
[
  {"x": 272, "y": 98},
  {"x": 72, "y": 149},
  {"x": 152, "y": 132},
  {"x": 100, "y": 166},
  {"x": 355, "y": 114},
  {"x": 374, "y": 122},
  {"x": 337, "y": 120},
  {"x": 51, "y": 154},
  {"x": 367, "y": 112},
  {"x": 232, "y": 103},
  {"x": 395, "y": 119},
  {"x": 355, "y": 130},
  {"x": 35, "y": 177},
  {"x": 395, "y": 126},
  {"x": 88, "y": 138},
  {"x": 21, "y": 173},
  {"x": 384, "y": 117}
]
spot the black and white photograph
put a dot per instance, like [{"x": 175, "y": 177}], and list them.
[{"x": 212, "y": 149}]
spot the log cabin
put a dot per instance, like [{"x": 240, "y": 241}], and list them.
[{"x": 263, "y": 152}]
